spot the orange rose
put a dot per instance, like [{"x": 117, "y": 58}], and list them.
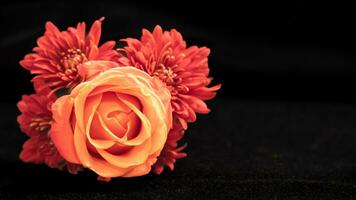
[{"x": 115, "y": 123}]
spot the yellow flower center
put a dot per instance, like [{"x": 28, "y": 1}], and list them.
[
  {"x": 166, "y": 74},
  {"x": 41, "y": 123},
  {"x": 69, "y": 62},
  {"x": 167, "y": 70}
]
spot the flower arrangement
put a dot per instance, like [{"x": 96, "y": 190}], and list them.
[{"x": 118, "y": 112}]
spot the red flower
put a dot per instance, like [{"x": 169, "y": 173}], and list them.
[
  {"x": 170, "y": 152},
  {"x": 35, "y": 121},
  {"x": 36, "y": 112},
  {"x": 58, "y": 54},
  {"x": 184, "y": 69},
  {"x": 39, "y": 149}
]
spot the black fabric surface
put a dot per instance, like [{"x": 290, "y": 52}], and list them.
[
  {"x": 283, "y": 126},
  {"x": 242, "y": 150}
]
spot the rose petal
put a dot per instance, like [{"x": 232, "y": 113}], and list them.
[{"x": 61, "y": 131}]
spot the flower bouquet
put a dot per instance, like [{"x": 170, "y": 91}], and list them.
[{"x": 118, "y": 112}]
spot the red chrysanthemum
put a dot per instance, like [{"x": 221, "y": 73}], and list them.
[
  {"x": 39, "y": 149},
  {"x": 58, "y": 54},
  {"x": 171, "y": 152},
  {"x": 35, "y": 120},
  {"x": 36, "y": 112},
  {"x": 184, "y": 69}
]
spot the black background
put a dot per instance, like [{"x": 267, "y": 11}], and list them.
[{"x": 282, "y": 127}]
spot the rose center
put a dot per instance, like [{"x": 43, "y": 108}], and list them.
[
  {"x": 121, "y": 119},
  {"x": 115, "y": 115},
  {"x": 41, "y": 124}
]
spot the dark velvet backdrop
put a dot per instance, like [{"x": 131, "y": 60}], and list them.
[{"x": 282, "y": 127}]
